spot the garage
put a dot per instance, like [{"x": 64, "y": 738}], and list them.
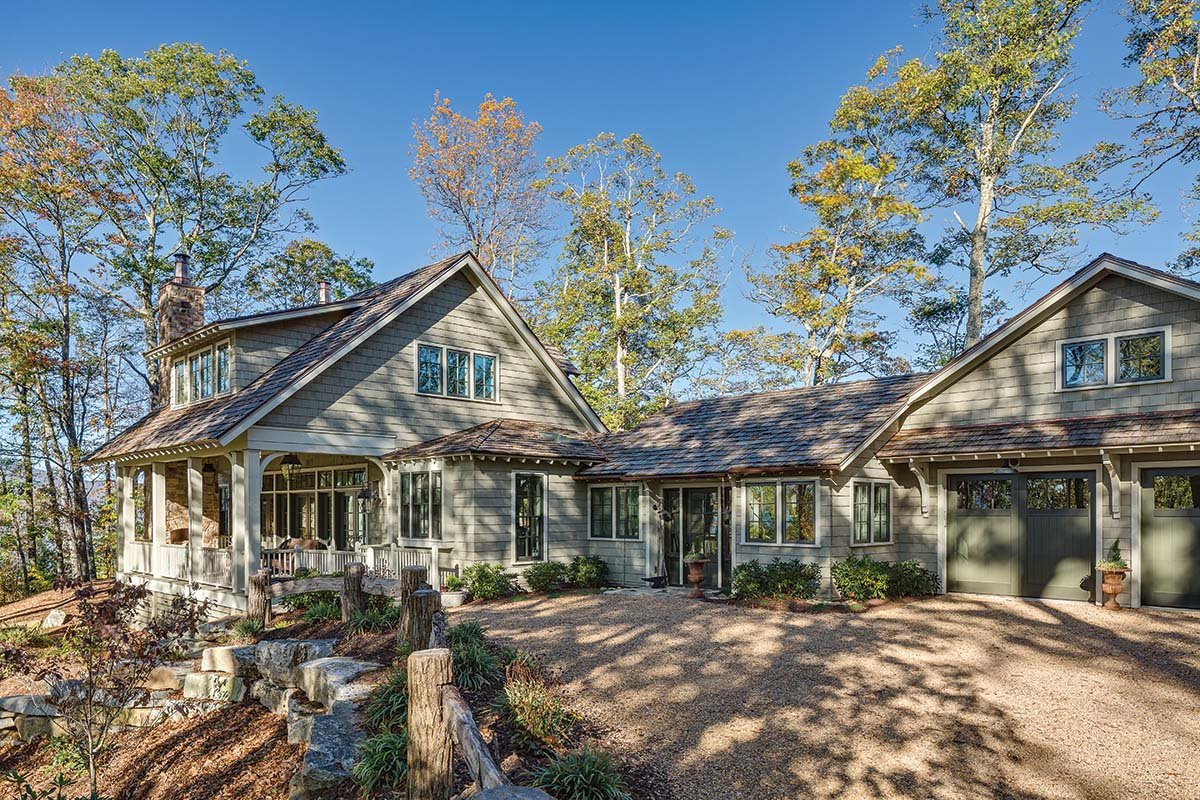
[
  {"x": 1170, "y": 548},
  {"x": 1024, "y": 535}
]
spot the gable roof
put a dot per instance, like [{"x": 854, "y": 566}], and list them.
[
  {"x": 220, "y": 420},
  {"x": 507, "y": 438},
  {"x": 804, "y": 429}
]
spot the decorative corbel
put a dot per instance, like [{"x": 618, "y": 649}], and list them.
[
  {"x": 1112, "y": 467},
  {"x": 922, "y": 484}
]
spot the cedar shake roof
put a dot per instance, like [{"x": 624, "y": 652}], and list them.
[
  {"x": 204, "y": 423},
  {"x": 794, "y": 429},
  {"x": 507, "y": 438},
  {"x": 1112, "y": 430}
]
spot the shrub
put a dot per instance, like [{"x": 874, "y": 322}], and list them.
[
  {"x": 454, "y": 583},
  {"x": 57, "y": 790},
  {"x": 535, "y": 711},
  {"x": 65, "y": 757},
  {"x": 465, "y": 632},
  {"x": 911, "y": 579},
  {"x": 23, "y": 636},
  {"x": 305, "y": 601},
  {"x": 781, "y": 578},
  {"x": 589, "y": 572},
  {"x": 375, "y": 619},
  {"x": 382, "y": 763},
  {"x": 489, "y": 581},
  {"x": 323, "y": 611},
  {"x": 474, "y": 666},
  {"x": 520, "y": 665},
  {"x": 586, "y": 775},
  {"x": 387, "y": 709},
  {"x": 861, "y": 578},
  {"x": 546, "y": 575},
  {"x": 245, "y": 629}
]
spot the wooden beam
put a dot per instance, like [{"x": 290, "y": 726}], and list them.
[
  {"x": 1112, "y": 467},
  {"x": 922, "y": 484}
]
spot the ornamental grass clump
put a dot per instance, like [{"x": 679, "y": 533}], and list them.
[
  {"x": 536, "y": 712},
  {"x": 245, "y": 629},
  {"x": 382, "y": 764},
  {"x": 585, "y": 775},
  {"x": 474, "y": 665},
  {"x": 375, "y": 618},
  {"x": 387, "y": 710},
  {"x": 323, "y": 611}
]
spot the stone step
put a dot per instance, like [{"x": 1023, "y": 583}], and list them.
[
  {"x": 330, "y": 681},
  {"x": 240, "y": 660},
  {"x": 214, "y": 686},
  {"x": 277, "y": 659}
]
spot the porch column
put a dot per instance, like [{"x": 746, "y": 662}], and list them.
[
  {"x": 649, "y": 504},
  {"x": 195, "y": 500},
  {"x": 123, "y": 521},
  {"x": 252, "y": 555},
  {"x": 237, "y": 502},
  {"x": 158, "y": 517}
]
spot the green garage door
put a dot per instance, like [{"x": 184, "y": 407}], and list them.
[
  {"x": 1171, "y": 538},
  {"x": 1025, "y": 535}
]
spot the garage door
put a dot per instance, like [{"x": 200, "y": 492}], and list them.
[
  {"x": 1171, "y": 538},
  {"x": 1024, "y": 535}
]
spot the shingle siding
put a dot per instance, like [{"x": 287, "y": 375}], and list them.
[{"x": 261, "y": 347}]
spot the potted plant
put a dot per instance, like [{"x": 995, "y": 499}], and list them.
[
  {"x": 696, "y": 560},
  {"x": 453, "y": 592},
  {"x": 1113, "y": 567}
]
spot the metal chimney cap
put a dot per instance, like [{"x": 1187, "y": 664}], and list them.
[
  {"x": 182, "y": 257},
  {"x": 324, "y": 293}
]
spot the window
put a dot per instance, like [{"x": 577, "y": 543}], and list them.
[
  {"x": 421, "y": 505},
  {"x": 872, "y": 521},
  {"x": 614, "y": 512},
  {"x": 1056, "y": 494},
  {"x": 529, "y": 513},
  {"x": 784, "y": 512},
  {"x": 983, "y": 494},
  {"x": 1083, "y": 364},
  {"x": 1176, "y": 492},
  {"x": 1141, "y": 357},
  {"x": 202, "y": 374},
  {"x": 328, "y": 504},
  {"x": 450, "y": 372}
]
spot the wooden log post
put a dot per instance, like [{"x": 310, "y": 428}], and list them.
[
  {"x": 430, "y": 748},
  {"x": 465, "y": 733},
  {"x": 258, "y": 604},
  {"x": 437, "y": 630},
  {"x": 353, "y": 597},
  {"x": 418, "y": 617},
  {"x": 411, "y": 579}
]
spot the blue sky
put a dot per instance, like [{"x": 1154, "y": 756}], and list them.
[{"x": 728, "y": 93}]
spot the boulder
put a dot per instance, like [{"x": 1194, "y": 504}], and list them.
[
  {"x": 214, "y": 686},
  {"x": 162, "y": 679},
  {"x": 276, "y": 699},
  {"x": 56, "y": 618},
  {"x": 232, "y": 660},
  {"x": 330, "y": 681},
  {"x": 276, "y": 660},
  {"x": 332, "y": 750},
  {"x": 511, "y": 793},
  {"x": 27, "y": 706},
  {"x": 30, "y": 728}
]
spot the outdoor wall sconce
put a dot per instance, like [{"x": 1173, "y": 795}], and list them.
[
  {"x": 370, "y": 493},
  {"x": 289, "y": 465}
]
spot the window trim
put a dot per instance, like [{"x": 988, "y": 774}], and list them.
[
  {"x": 779, "y": 483},
  {"x": 428, "y": 468},
  {"x": 512, "y": 506},
  {"x": 444, "y": 393},
  {"x": 613, "y": 514},
  {"x": 185, "y": 359},
  {"x": 873, "y": 482},
  {"x": 1111, "y": 353},
  {"x": 1164, "y": 373}
]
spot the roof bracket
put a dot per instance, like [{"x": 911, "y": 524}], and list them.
[
  {"x": 922, "y": 484},
  {"x": 1112, "y": 467}
]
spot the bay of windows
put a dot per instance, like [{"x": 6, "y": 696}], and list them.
[
  {"x": 784, "y": 512},
  {"x": 327, "y": 504},
  {"x": 201, "y": 375},
  {"x": 421, "y": 505},
  {"x": 872, "y": 521},
  {"x": 451, "y": 372},
  {"x": 614, "y": 512}
]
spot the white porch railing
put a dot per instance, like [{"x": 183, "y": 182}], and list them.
[
  {"x": 216, "y": 566},
  {"x": 139, "y": 557},
  {"x": 175, "y": 563},
  {"x": 381, "y": 560},
  {"x": 285, "y": 562},
  {"x": 386, "y": 561}
]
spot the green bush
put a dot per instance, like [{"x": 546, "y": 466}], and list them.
[
  {"x": 387, "y": 709},
  {"x": 305, "y": 601},
  {"x": 589, "y": 572},
  {"x": 245, "y": 629},
  {"x": 861, "y": 578},
  {"x": 911, "y": 579},
  {"x": 323, "y": 611},
  {"x": 382, "y": 763},
  {"x": 474, "y": 665},
  {"x": 546, "y": 575},
  {"x": 489, "y": 582},
  {"x": 65, "y": 757},
  {"x": 465, "y": 632},
  {"x": 535, "y": 711},
  {"x": 781, "y": 578},
  {"x": 586, "y": 775},
  {"x": 454, "y": 583},
  {"x": 23, "y": 636},
  {"x": 375, "y": 619}
]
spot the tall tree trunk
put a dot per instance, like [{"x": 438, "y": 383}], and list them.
[
  {"x": 978, "y": 263},
  {"x": 27, "y": 487}
]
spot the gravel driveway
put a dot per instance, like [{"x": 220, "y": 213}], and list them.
[{"x": 955, "y": 697}]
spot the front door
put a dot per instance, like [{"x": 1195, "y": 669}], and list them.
[
  {"x": 1171, "y": 538},
  {"x": 701, "y": 529}
]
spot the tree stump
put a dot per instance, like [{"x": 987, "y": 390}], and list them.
[
  {"x": 411, "y": 579},
  {"x": 353, "y": 597},
  {"x": 258, "y": 605},
  {"x": 430, "y": 749},
  {"x": 437, "y": 630},
  {"x": 418, "y": 617}
]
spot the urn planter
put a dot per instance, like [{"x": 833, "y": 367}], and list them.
[
  {"x": 696, "y": 577},
  {"x": 1113, "y": 585}
]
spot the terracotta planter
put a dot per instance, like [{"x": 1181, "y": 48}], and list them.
[
  {"x": 1113, "y": 585},
  {"x": 696, "y": 577}
]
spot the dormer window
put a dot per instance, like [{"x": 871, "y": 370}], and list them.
[
  {"x": 454, "y": 372},
  {"x": 202, "y": 374},
  {"x": 1120, "y": 358}
]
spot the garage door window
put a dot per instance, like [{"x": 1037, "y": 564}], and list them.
[
  {"x": 984, "y": 495},
  {"x": 1176, "y": 495},
  {"x": 1050, "y": 494}
]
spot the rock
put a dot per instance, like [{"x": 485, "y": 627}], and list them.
[
  {"x": 214, "y": 686},
  {"x": 30, "y": 728},
  {"x": 329, "y": 681},
  {"x": 233, "y": 660},
  {"x": 7, "y": 723},
  {"x": 511, "y": 793},
  {"x": 276, "y": 699},
  {"x": 162, "y": 679},
  {"x": 512, "y": 764},
  {"x": 56, "y": 618},
  {"x": 27, "y": 706},
  {"x": 332, "y": 750},
  {"x": 277, "y": 659}
]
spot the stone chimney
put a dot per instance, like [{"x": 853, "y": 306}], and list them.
[
  {"x": 324, "y": 293},
  {"x": 180, "y": 312}
]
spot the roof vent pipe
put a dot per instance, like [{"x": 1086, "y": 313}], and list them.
[{"x": 324, "y": 293}]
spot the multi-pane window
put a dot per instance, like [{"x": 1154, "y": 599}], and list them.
[
  {"x": 872, "y": 512},
  {"x": 202, "y": 374},
  {"x": 614, "y": 512},
  {"x": 1056, "y": 494},
  {"x": 329, "y": 504},
  {"x": 781, "y": 513},
  {"x": 983, "y": 494},
  {"x": 1141, "y": 357},
  {"x": 529, "y": 514},
  {"x": 421, "y": 505},
  {"x": 450, "y": 372},
  {"x": 1083, "y": 364},
  {"x": 1176, "y": 492}
]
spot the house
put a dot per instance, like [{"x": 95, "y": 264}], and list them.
[{"x": 423, "y": 422}]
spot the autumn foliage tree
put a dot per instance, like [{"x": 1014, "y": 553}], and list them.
[{"x": 477, "y": 176}]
